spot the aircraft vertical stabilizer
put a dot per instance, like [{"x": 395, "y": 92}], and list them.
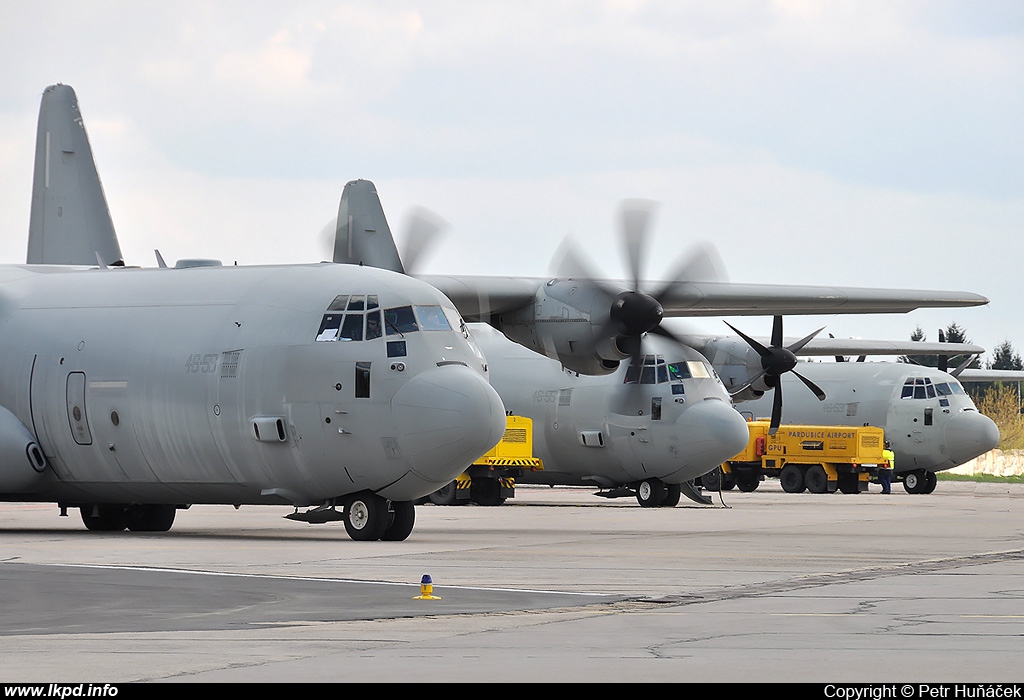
[
  {"x": 70, "y": 222},
  {"x": 363, "y": 236}
]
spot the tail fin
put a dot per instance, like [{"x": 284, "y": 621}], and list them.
[
  {"x": 363, "y": 236},
  {"x": 70, "y": 222}
]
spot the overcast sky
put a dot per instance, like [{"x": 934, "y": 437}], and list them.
[{"x": 850, "y": 143}]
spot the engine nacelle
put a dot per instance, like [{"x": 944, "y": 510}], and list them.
[
  {"x": 736, "y": 362},
  {"x": 568, "y": 321},
  {"x": 22, "y": 462}
]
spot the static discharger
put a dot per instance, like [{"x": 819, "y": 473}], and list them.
[{"x": 426, "y": 589}]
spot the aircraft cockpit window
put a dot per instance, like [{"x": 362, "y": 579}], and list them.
[
  {"x": 699, "y": 370},
  {"x": 357, "y": 302},
  {"x": 957, "y": 389},
  {"x": 677, "y": 371},
  {"x": 371, "y": 301},
  {"x": 352, "y": 328},
  {"x": 373, "y": 325},
  {"x": 339, "y": 304},
  {"x": 652, "y": 371},
  {"x": 923, "y": 388},
  {"x": 432, "y": 318},
  {"x": 400, "y": 320}
]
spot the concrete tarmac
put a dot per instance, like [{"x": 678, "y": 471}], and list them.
[{"x": 555, "y": 585}]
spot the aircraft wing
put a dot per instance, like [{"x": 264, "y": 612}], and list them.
[
  {"x": 991, "y": 375},
  {"x": 479, "y": 296},
  {"x": 827, "y": 347}
]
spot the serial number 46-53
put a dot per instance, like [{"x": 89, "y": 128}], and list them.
[{"x": 205, "y": 363}]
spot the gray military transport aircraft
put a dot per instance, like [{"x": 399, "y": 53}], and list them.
[
  {"x": 652, "y": 425},
  {"x": 929, "y": 420},
  {"x": 129, "y": 393}
]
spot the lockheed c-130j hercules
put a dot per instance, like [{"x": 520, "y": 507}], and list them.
[{"x": 130, "y": 393}]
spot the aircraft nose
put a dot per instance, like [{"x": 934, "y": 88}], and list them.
[
  {"x": 714, "y": 432},
  {"x": 970, "y": 434},
  {"x": 445, "y": 418}
]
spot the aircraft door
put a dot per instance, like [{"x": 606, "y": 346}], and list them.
[{"x": 78, "y": 419}]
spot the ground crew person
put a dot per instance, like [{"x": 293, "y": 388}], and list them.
[{"x": 886, "y": 468}]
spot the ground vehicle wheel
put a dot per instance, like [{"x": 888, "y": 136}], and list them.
[
  {"x": 792, "y": 479},
  {"x": 366, "y": 516},
  {"x": 402, "y": 518},
  {"x": 486, "y": 491},
  {"x": 849, "y": 483},
  {"x": 444, "y": 496},
  {"x": 151, "y": 517},
  {"x": 650, "y": 493},
  {"x": 728, "y": 481},
  {"x": 103, "y": 517},
  {"x": 816, "y": 479},
  {"x": 712, "y": 481},
  {"x": 747, "y": 483},
  {"x": 913, "y": 482},
  {"x": 672, "y": 493},
  {"x": 930, "y": 482}
]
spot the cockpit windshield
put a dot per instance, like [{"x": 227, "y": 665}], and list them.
[
  {"x": 654, "y": 370},
  {"x": 924, "y": 388}
]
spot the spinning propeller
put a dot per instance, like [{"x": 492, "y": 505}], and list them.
[
  {"x": 635, "y": 312},
  {"x": 776, "y": 360}
]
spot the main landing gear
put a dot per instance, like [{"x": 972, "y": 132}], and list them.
[
  {"x": 114, "y": 517},
  {"x": 370, "y": 517}
]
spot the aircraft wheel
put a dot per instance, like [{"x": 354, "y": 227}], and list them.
[
  {"x": 402, "y": 517},
  {"x": 366, "y": 517},
  {"x": 650, "y": 493},
  {"x": 792, "y": 479},
  {"x": 930, "y": 482},
  {"x": 747, "y": 483},
  {"x": 712, "y": 481},
  {"x": 444, "y": 496},
  {"x": 104, "y": 517},
  {"x": 672, "y": 493},
  {"x": 149, "y": 518},
  {"x": 913, "y": 482},
  {"x": 816, "y": 479},
  {"x": 486, "y": 492}
]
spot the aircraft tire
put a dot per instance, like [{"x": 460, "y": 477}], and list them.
[
  {"x": 930, "y": 482},
  {"x": 914, "y": 482},
  {"x": 792, "y": 479},
  {"x": 444, "y": 496},
  {"x": 402, "y": 517},
  {"x": 105, "y": 517},
  {"x": 366, "y": 517},
  {"x": 728, "y": 482},
  {"x": 485, "y": 492},
  {"x": 149, "y": 518},
  {"x": 650, "y": 493},
  {"x": 672, "y": 493},
  {"x": 816, "y": 479}
]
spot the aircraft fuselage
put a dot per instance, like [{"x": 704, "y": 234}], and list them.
[{"x": 235, "y": 385}]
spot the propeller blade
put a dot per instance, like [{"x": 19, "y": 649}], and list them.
[
  {"x": 636, "y": 215},
  {"x": 943, "y": 363},
  {"x": 815, "y": 389},
  {"x": 777, "y": 331},
  {"x": 776, "y": 410},
  {"x": 422, "y": 233},
  {"x": 796, "y": 347},
  {"x": 761, "y": 350}
]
